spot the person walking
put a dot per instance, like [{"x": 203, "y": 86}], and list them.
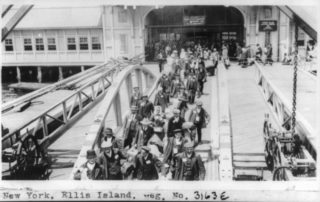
[
  {"x": 91, "y": 169},
  {"x": 130, "y": 126},
  {"x": 146, "y": 165},
  {"x": 200, "y": 118},
  {"x": 174, "y": 123}
]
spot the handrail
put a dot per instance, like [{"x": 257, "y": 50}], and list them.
[
  {"x": 39, "y": 92},
  {"x": 284, "y": 106},
  {"x": 112, "y": 96}
]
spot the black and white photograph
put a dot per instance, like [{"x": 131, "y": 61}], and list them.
[{"x": 132, "y": 100}]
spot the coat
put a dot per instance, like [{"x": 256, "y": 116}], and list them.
[
  {"x": 161, "y": 99},
  {"x": 169, "y": 150},
  {"x": 146, "y": 110},
  {"x": 143, "y": 136},
  {"x": 175, "y": 87},
  {"x": 135, "y": 99},
  {"x": 127, "y": 122},
  {"x": 97, "y": 173},
  {"x": 199, "y": 118},
  {"x": 174, "y": 125},
  {"x": 146, "y": 169},
  {"x": 103, "y": 161},
  {"x": 192, "y": 85},
  {"x": 198, "y": 169},
  {"x": 165, "y": 83}
]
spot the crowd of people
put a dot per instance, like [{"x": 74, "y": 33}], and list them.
[{"x": 159, "y": 137}]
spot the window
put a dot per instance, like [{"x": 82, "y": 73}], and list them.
[
  {"x": 72, "y": 43},
  {"x": 95, "y": 42},
  {"x": 51, "y": 44},
  {"x": 27, "y": 44},
  {"x": 8, "y": 45},
  {"x": 39, "y": 44},
  {"x": 84, "y": 43},
  {"x": 122, "y": 16},
  {"x": 123, "y": 43}
]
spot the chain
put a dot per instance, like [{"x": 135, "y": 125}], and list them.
[{"x": 294, "y": 96}]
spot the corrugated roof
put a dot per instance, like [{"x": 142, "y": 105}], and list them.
[
  {"x": 308, "y": 14},
  {"x": 53, "y": 18}
]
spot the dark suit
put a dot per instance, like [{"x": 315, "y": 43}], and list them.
[
  {"x": 161, "y": 99},
  {"x": 97, "y": 173},
  {"x": 189, "y": 169},
  {"x": 135, "y": 99},
  {"x": 172, "y": 125},
  {"x": 130, "y": 129},
  {"x": 199, "y": 120},
  {"x": 146, "y": 110},
  {"x": 146, "y": 169},
  {"x": 143, "y": 136},
  {"x": 111, "y": 165},
  {"x": 192, "y": 87}
]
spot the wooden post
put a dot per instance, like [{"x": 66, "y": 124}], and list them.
[
  {"x": 39, "y": 77},
  {"x": 82, "y": 68},
  {"x": 117, "y": 109},
  {"x": 18, "y": 74},
  {"x": 60, "y": 74},
  {"x": 129, "y": 86}
]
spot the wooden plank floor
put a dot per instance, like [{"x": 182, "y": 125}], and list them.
[
  {"x": 282, "y": 77},
  {"x": 247, "y": 108}
]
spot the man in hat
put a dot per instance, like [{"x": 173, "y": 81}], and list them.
[
  {"x": 146, "y": 107},
  {"x": 173, "y": 148},
  {"x": 161, "y": 99},
  {"x": 146, "y": 165},
  {"x": 188, "y": 131},
  {"x": 189, "y": 165},
  {"x": 202, "y": 77},
  {"x": 90, "y": 170},
  {"x": 200, "y": 118},
  {"x": 135, "y": 97},
  {"x": 182, "y": 105},
  {"x": 165, "y": 82},
  {"x": 110, "y": 160},
  {"x": 107, "y": 135},
  {"x": 192, "y": 87},
  {"x": 144, "y": 134},
  {"x": 131, "y": 124},
  {"x": 175, "y": 122},
  {"x": 175, "y": 86},
  {"x": 156, "y": 138}
]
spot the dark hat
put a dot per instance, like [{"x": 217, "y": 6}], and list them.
[
  {"x": 108, "y": 131},
  {"x": 91, "y": 154},
  {"x": 146, "y": 148},
  {"x": 144, "y": 96}
]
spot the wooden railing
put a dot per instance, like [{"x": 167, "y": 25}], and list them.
[
  {"x": 281, "y": 108},
  {"x": 225, "y": 132},
  {"x": 145, "y": 80}
]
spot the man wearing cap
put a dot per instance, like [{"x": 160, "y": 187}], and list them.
[
  {"x": 175, "y": 122},
  {"x": 146, "y": 107},
  {"x": 110, "y": 160},
  {"x": 135, "y": 97},
  {"x": 173, "y": 148},
  {"x": 146, "y": 165},
  {"x": 175, "y": 86},
  {"x": 161, "y": 99},
  {"x": 144, "y": 134},
  {"x": 200, "y": 118},
  {"x": 90, "y": 170},
  {"x": 189, "y": 165},
  {"x": 192, "y": 87},
  {"x": 131, "y": 124},
  {"x": 107, "y": 135}
]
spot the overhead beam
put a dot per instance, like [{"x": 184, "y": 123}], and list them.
[
  {"x": 6, "y": 9},
  {"x": 12, "y": 23},
  {"x": 299, "y": 22}
]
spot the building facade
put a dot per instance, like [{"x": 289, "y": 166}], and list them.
[{"x": 64, "y": 41}]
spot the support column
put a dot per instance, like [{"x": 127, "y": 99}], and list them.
[
  {"x": 117, "y": 109},
  {"x": 129, "y": 86},
  {"x": 39, "y": 76},
  {"x": 60, "y": 74},
  {"x": 139, "y": 79},
  {"x": 82, "y": 68},
  {"x": 18, "y": 74}
]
